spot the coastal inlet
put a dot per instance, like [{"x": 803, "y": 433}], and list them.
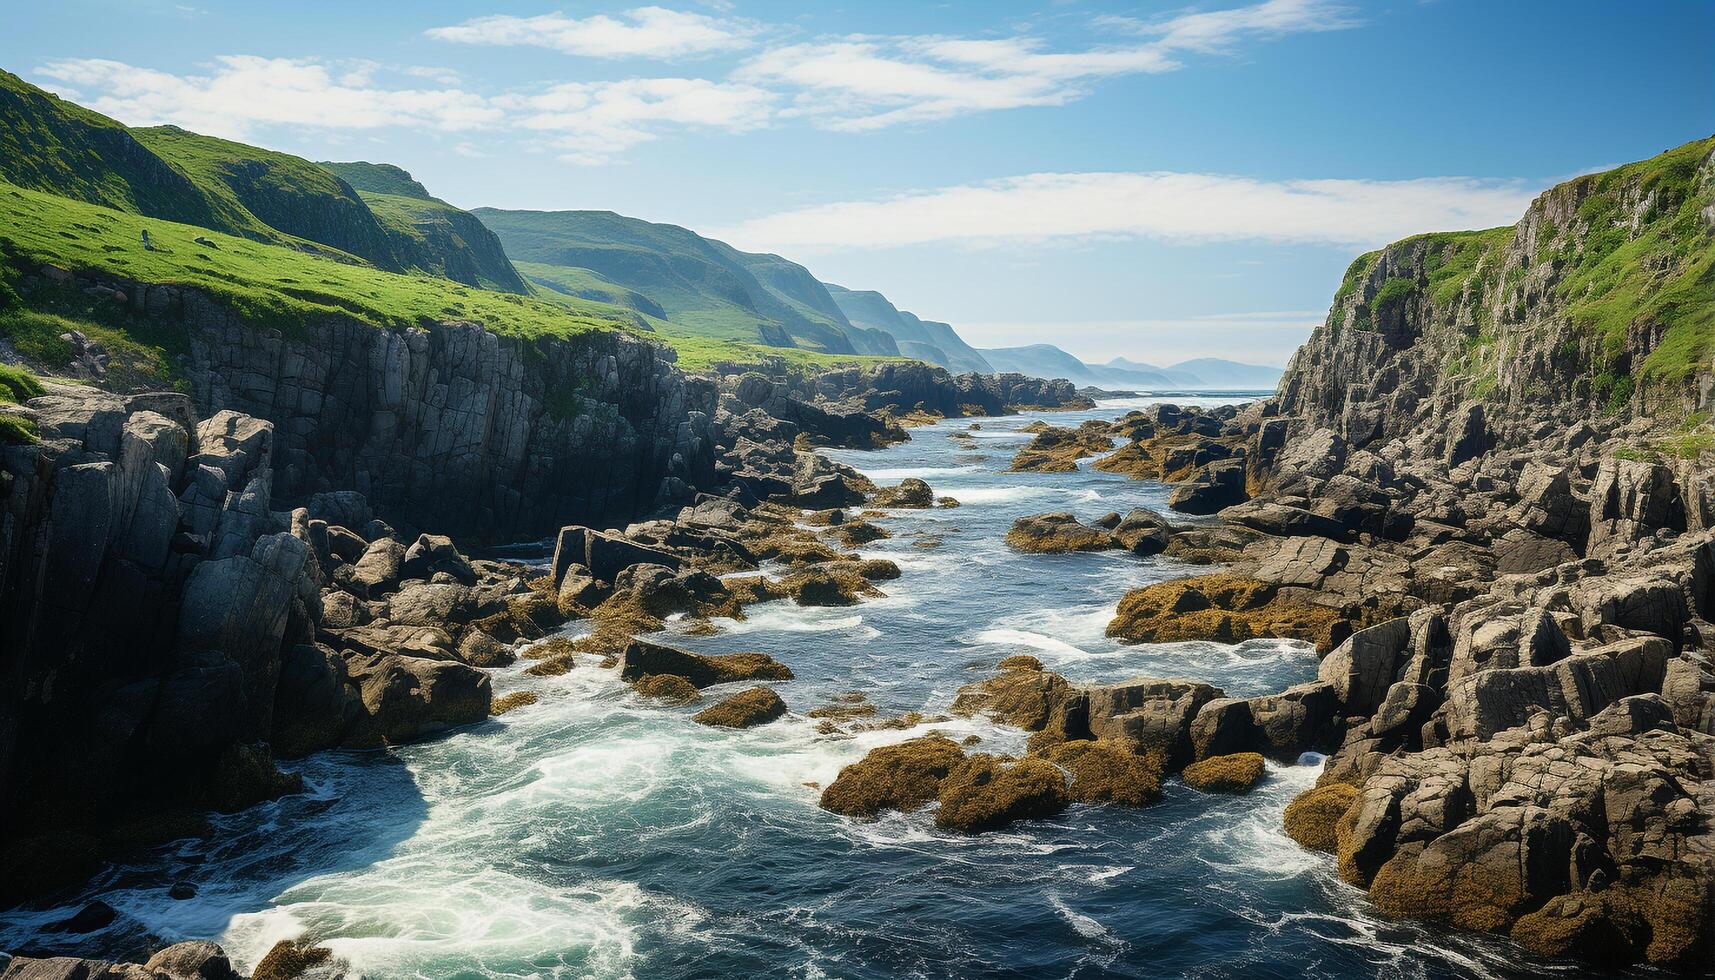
[{"x": 598, "y": 834}]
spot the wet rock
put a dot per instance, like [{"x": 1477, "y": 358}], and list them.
[
  {"x": 903, "y": 777},
  {"x": 1108, "y": 772},
  {"x": 911, "y": 493},
  {"x": 667, "y": 688},
  {"x": 1235, "y": 773},
  {"x": 192, "y": 961},
  {"x": 1059, "y": 532},
  {"x": 642, "y": 658},
  {"x": 746, "y": 709},
  {"x": 290, "y": 959},
  {"x": 511, "y": 702},
  {"x": 1225, "y": 608},
  {"x": 986, "y": 792},
  {"x": 1313, "y": 816}
]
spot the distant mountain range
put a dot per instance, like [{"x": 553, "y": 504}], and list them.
[{"x": 1048, "y": 361}]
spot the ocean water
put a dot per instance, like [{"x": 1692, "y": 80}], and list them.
[{"x": 595, "y": 834}]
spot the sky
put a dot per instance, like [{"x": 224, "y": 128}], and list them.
[{"x": 1149, "y": 180}]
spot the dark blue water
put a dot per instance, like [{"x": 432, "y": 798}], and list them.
[{"x": 598, "y": 835}]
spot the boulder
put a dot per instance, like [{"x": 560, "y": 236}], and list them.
[
  {"x": 986, "y": 792},
  {"x": 746, "y": 709},
  {"x": 1313, "y": 815},
  {"x": 642, "y": 658},
  {"x": 377, "y": 572},
  {"x": 192, "y": 961},
  {"x": 911, "y": 493},
  {"x": 1216, "y": 487},
  {"x": 1235, "y": 773},
  {"x": 433, "y": 554},
  {"x": 1059, "y": 532},
  {"x": 900, "y": 777},
  {"x": 406, "y": 698}
]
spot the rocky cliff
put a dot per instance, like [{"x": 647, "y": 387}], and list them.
[
  {"x": 145, "y": 595},
  {"x": 449, "y": 425},
  {"x": 1595, "y": 305}
]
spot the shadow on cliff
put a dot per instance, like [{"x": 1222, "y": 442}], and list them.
[{"x": 356, "y": 808}]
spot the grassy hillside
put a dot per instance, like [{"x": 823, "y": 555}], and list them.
[
  {"x": 270, "y": 286},
  {"x": 378, "y": 178},
  {"x": 275, "y": 197},
  {"x": 428, "y": 233},
  {"x": 49, "y": 144},
  {"x": 703, "y": 286},
  {"x": 1625, "y": 257}
]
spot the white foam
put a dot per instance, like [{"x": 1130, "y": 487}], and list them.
[
  {"x": 1082, "y": 924},
  {"x": 916, "y": 472}
]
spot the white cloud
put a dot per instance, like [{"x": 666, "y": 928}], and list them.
[
  {"x": 862, "y": 83},
  {"x": 597, "y": 120},
  {"x": 644, "y": 32},
  {"x": 244, "y": 91},
  {"x": 1177, "y": 206}
]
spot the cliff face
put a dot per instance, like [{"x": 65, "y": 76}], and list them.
[
  {"x": 450, "y": 426},
  {"x": 146, "y": 592},
  {"x": 1597, "y": 305}
]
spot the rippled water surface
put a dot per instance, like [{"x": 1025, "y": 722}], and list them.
[{"x": 595, "y": 834}]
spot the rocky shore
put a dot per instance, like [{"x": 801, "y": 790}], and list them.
[{"x": 191, "y": 594}]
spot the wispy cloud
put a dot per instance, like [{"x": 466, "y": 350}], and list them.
[
  {"x": 1178, "y": 206},
  {"x": 857, "y": 83},
  {"x": 863, "y": 83},
  {"x": 598, "y": 120},
  {"x": 242, "y": 92},
  {"x": 643, "y": 32}
]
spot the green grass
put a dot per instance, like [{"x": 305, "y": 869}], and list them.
[
  {"x": 283, "y": 288},
  {"x": 269, "y": 284},
  {"x": 703, "y": 286},
  {"x": 16, "y": 385},
  {"x": 378, "y": 178},
  {"x": 1664, "y": 275}
]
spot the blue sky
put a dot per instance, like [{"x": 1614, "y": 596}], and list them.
[{"x": 1152, "y": 180}]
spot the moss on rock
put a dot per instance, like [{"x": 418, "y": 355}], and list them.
[
  {"x": 901, "y": 777},
  {"x": 746, "y": 709},
  {"x": 986, "y": 792},
  {"x": 1235, "y": 773},
  {"x": 1225, "y": 608},
  {"x": 1311, "y": 818},
  {"x": 670, "y": 688},
  {"x": 1108, "y": 772}
]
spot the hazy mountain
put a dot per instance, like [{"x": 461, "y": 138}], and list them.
[
  {"x": 926, "y": 340},
  {"x": 1048, "y": 361},
  {"x": 702, "y": 285}
]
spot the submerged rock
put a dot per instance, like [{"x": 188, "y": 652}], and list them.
[{"x": 667, "y": 688}]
